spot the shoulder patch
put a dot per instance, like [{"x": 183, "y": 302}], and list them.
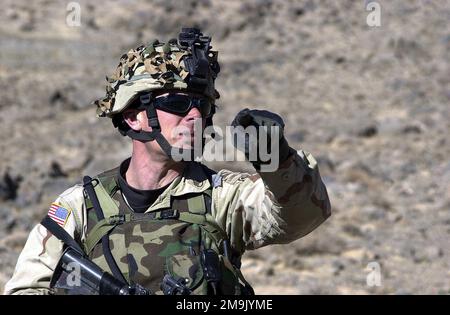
[
  {"x": 58, "y": 214},
  {"x": 216, "y": 180}
]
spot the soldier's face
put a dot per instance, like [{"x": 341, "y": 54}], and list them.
[{"x": 180, "y": 131}]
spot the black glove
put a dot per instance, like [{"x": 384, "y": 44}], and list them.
[{"x": 258, "y": 118}]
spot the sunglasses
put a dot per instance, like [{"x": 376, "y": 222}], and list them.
[{"x": 181, "y": 104}]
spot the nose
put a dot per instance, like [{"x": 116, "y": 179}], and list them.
[{"x": 194, "y": 113}]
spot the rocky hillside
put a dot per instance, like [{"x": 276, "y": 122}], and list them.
[{"x": 371, "y": 104}]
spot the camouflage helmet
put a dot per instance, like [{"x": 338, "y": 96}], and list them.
[{"x": 187, "y": 64}]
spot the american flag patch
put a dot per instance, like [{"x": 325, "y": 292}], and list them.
[{"x": 58, "y": 214}]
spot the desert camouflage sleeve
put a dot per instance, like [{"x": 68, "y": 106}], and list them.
[
  {"x": 271, "y": 208},
  {"x": 42, "y": 250}
]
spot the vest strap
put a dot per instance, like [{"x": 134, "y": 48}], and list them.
[
  {"x": 109, "y": 207},
  {"x": 102, "y": 228}
]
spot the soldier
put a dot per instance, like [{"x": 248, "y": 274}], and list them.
[{"x": 154, "y": 220}]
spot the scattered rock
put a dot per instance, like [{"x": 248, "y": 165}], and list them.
[
  {"x": 368, "y": 132},
  {"x": 270, "y": 272},
  {"x": 339, "y": 60},
  {"x": 338, "y": 266},
  {"x": 412, "y": 129},
  {"x": 9, "y": 186},
  {"x": 353, "y": 230},
  {"x": 55, "y": 170}
]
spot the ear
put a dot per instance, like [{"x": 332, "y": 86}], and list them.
[{"x": 134, "y": 118}]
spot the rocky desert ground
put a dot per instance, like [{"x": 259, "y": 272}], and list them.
[{"x": 371, "y": 103}]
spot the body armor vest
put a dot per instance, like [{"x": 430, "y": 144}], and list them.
[{"x": 182, "y": 241}]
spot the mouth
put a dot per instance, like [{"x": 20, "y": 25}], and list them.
[
  {"x": 186, "y": 134},
  {"x": 186, "y": 138}
]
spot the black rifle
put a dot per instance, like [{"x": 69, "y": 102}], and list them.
[{"x": 79, "y": 275}]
